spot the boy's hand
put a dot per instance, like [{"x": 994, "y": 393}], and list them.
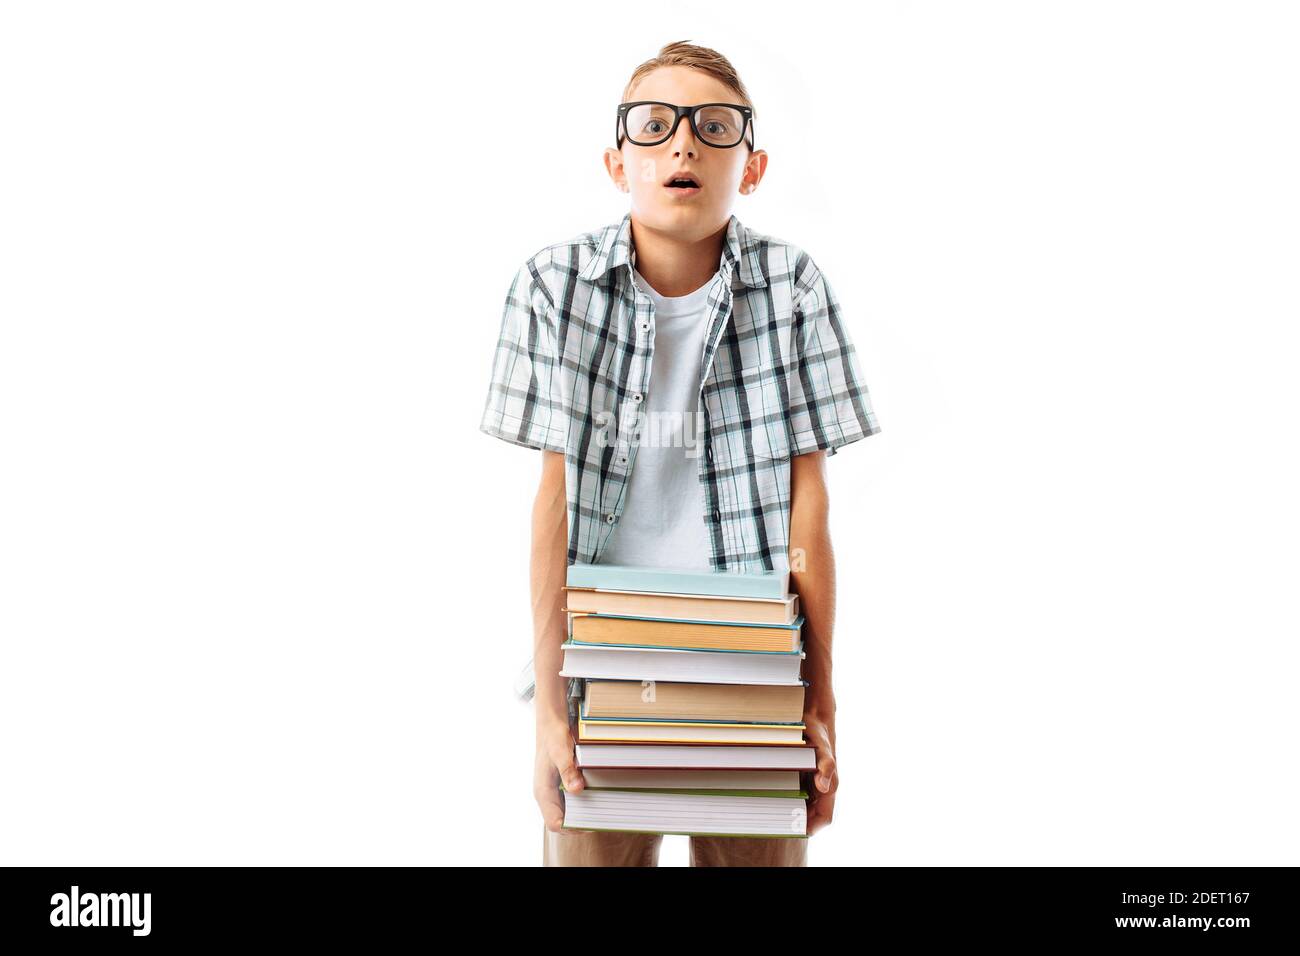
[
  {"x": 555, "y": 761},
  {"x": 821, "y": 799}
]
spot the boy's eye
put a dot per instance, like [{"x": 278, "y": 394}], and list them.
[{"x": 655, "y": 126}]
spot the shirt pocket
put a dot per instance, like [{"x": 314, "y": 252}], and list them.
[{"x": 768, "y": 429}]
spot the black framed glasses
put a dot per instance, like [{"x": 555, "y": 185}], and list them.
[{"x": 650, "y": 122}]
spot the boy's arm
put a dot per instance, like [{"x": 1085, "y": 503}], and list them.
[
  {"x": 548, "y": 573},
  {"x": 812, "y": 576}
]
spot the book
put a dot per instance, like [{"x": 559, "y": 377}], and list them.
[
  {"x": 684, "y": 607},
  {"x": 691, "y": 779},
  {"x": 675, "y": 664},
  {"x": 669, "y": 700},
  {"x": 667, "y": 731},
  {"x": 655, "y": 632},
  {"x": 626, "y": 577},
  {"x": 752, "y": 813},
  {"x": 695, "y": 756}
]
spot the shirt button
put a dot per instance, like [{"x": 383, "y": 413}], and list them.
[
  {"x": 708, "y": 452},
  {"x": 716, "y": 514},
  {"x": 637, "y": 397},
  {"x": 645, "y": 326},
  {"x": 609, "y": 518}
]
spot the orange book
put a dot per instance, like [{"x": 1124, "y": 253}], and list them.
[
  {"x": 685, "y": 607},
  {"x": 588, "y": 628}
]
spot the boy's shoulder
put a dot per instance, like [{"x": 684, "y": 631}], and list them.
[
  {"x": 783, "y": 264},
  {"x": 576, "y": 252},
  {"x": 774, "y": 249}
]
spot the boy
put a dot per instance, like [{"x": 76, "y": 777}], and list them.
[{"x": 679, "y": 315}]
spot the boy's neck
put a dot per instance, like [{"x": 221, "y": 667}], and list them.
[{"x": 674, "y": 266}]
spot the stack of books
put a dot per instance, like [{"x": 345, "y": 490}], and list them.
[{"x": 688, "y": 701}]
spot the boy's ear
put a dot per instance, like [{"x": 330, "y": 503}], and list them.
[
  {"x": 614, "y": 165},
  {"x": 755, "y": 167}
]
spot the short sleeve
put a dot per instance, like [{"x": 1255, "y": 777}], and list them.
[
  {"x": 525, "y": 401},
  {"x": 829, "y": 403}
]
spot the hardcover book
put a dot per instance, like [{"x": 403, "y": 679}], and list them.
[
  {"x": 684, "y": 607},
  {"x": 670, "y": 700},
  {"x": 695, "y": 757},
  {"x": 703, "y": 635},
  {"x": 668, "y": 731},
  {"x": 749, "y": 813},
  {"x": 626, "y": 577},
  {"x": 623, "y": 662}
]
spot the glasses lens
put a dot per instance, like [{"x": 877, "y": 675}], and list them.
[
  {"x": 648, "y": 124},
  {"x": 720, "y": 125}
]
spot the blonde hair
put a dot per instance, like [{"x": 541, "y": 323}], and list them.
[{"x": 700, "y": 58}]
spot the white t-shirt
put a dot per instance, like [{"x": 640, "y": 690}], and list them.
[{"x": 662, "y": 525}]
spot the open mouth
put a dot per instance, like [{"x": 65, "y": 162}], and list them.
[{"x": 683, "y": 181}]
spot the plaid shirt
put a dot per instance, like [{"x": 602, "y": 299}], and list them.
[{"x": 778, "y": 377}]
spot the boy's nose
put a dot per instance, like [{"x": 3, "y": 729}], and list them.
[{"x": 684, "y": 139}]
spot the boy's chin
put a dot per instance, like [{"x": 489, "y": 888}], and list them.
[{"x": 682, "y": 214}]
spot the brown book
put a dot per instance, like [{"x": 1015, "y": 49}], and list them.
[
  {"x": 606, "y": 629},
  {"x": 665, "y": 700},
  {"x": 685, "y": 607}
]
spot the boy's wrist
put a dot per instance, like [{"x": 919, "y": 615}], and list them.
[
  {"x": 550, "y": 691},
  {"x": 821, "y": 704},
  {"x": 551, "y": 716}
]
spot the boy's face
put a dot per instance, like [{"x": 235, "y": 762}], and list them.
[{"x": 723, "y": 174}]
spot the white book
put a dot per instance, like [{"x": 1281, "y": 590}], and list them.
[
  {"x": 686, "y": 813},
  {"x": 701, "y": 756},
  {"x": 672, "y": 732},
  {"x": 624, "y": 662}
]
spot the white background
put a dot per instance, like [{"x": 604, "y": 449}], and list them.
[{"x": 263, "y": 584}]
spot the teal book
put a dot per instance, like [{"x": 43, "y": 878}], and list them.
[{"x": 627, "y": 577}]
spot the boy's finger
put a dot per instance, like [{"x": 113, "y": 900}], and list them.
[
  {"x": 552, "y": 809},
  {"x": 820, "y": 811},
  {"x": 562, "y": 757},
  {"x": 825, "y": 770}
]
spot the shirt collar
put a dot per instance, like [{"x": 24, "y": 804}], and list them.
[{"x": 615, "y": 249}]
